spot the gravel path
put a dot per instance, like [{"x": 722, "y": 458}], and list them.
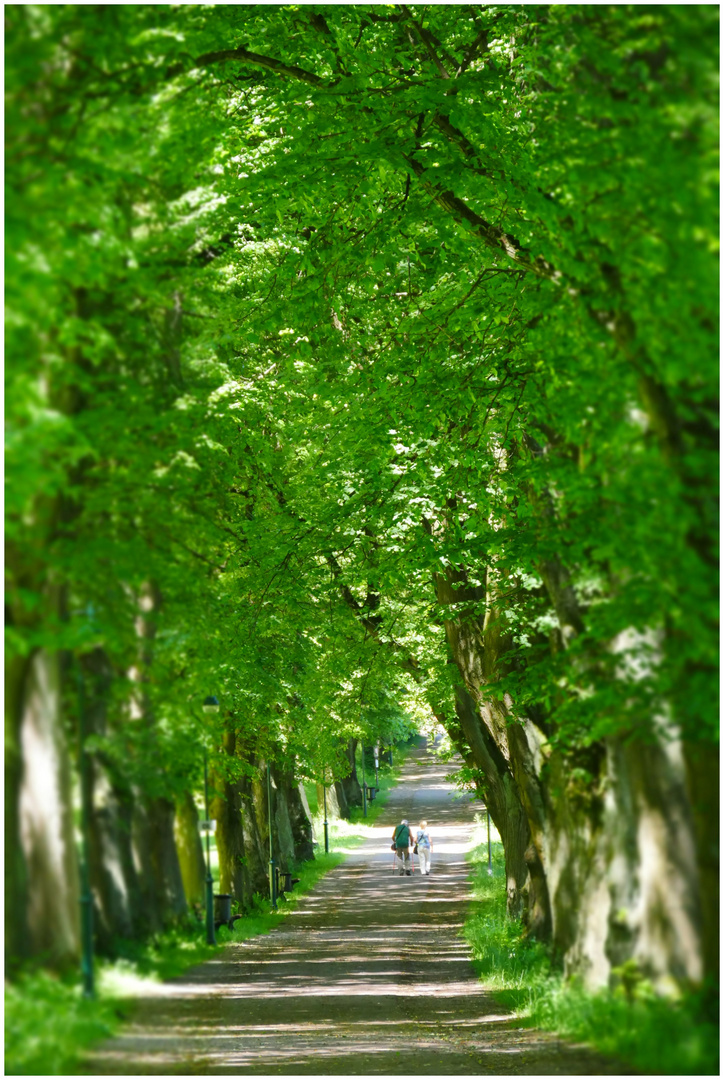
[{"x": 367, "y": 976}]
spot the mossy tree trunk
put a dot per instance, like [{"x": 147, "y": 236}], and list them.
[
  {"x": 350, "y": 784},
  {"x": 117, "y": 905},
  {"x": 154, "y": 840},
  {"x": 602, "y": 836},
  {"x": 300, "y": 846},
  {"x": 190, "y": 849},
  {"x": 226, "y": 811}
]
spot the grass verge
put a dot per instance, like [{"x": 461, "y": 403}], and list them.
[
  {"x": 48, "y": 1022},
  {"x": 649, "y": 1033}
]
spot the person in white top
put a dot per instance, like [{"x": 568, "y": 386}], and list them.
[{"x": 424, "y": 848}]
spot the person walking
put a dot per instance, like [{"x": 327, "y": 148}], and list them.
[
  {"x": 401, "y": 840},
  {"x": 423, "y": 846}
]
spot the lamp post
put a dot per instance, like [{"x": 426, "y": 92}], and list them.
[
  {"x": 490, "y": 857},
  {"x": 272, "y": 874},
  {"x": 210, "y": 706},
  {"x": 326, "y": 823}
]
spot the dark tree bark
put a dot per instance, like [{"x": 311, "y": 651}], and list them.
[
  {"x": 256, "y": 833},
  {"x": 226, "y": 810},
  {"x": 167, "y": 871},
  {"x": 349, "y": 783},
  {"x": 113, "y": 877},
  {"x": 703, "y": 781},
  {"x": 159, "y": 873},
  {"x": 154, "y": 840},
  {"x": 300, "y": 827},
  {"x": 341, "y": 796},
  {"x": 112, "y": 914},
  {"x": 260, "y": 806}
]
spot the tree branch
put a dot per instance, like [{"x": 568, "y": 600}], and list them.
[
  {"x": 246, "y": 57},
  {"x": 491, "y": 235}
]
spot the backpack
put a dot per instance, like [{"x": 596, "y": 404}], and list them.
[{"x": 402, "y": 836}]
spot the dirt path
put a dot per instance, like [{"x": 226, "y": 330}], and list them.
[{"x": 368, "y": 975}]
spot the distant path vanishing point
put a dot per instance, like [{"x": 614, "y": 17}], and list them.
[{"x": 367, "y": 976}]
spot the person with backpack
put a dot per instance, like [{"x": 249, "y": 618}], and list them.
[
  {"x": 423, "y": 847},
  {"x": 401, "y": 841}
]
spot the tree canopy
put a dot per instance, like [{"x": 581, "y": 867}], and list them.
[{"x": 334, "y": 330}]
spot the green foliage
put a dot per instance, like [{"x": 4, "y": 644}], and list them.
[
  {"x": 348, "y": 834},
  {"x": 48, "y": 1023},
  {"x": 304, "y": 318},
  {"x": 653, "y": 1035},
  {"x": 632, "y": 1024}
]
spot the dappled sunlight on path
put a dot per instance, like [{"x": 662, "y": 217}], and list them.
[{"x": 368, "y": 975}]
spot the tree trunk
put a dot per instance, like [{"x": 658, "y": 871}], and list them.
[
  {"x": 190, "y": 850},
  {"x": 308, "y": 813},
  {"x": 125, "y": 802},
  {"x": 502, "y": 797},
  {"x": 341, "y": 799},
  {"x": 477, "y": 647},
  {"x": 151, "y": 901},
  {"x": 113, "y": 877},
  {"x": 610, "y": 859},
  {"x": 349, "y": 783},
  {"x": 300, "y": 825},
  {"x": 112, "y": 914},
  {"x": 256, "y": 832},
  {"x": 162, "y": 883},
  {"x": 260, "y": 803},
  {"x": 164, "y": 859},
  {"x": 17, "y": 938},
  {"x": 46, "y": 822},
  {"x": 226, "y": 810},
  {"x": 156, "y": 858},
  {"x": 703, "y": 778},
  {"x": 283, "y": 833}
]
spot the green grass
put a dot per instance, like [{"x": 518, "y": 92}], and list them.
[
  {"x": 631, "y": 1023},
  {"x": 47, "y": 1023}
]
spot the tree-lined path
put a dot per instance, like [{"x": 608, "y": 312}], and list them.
[{"x": 368, "y": 975}]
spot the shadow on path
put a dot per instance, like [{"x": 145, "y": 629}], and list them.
[{"x": 368, "y": 975}]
